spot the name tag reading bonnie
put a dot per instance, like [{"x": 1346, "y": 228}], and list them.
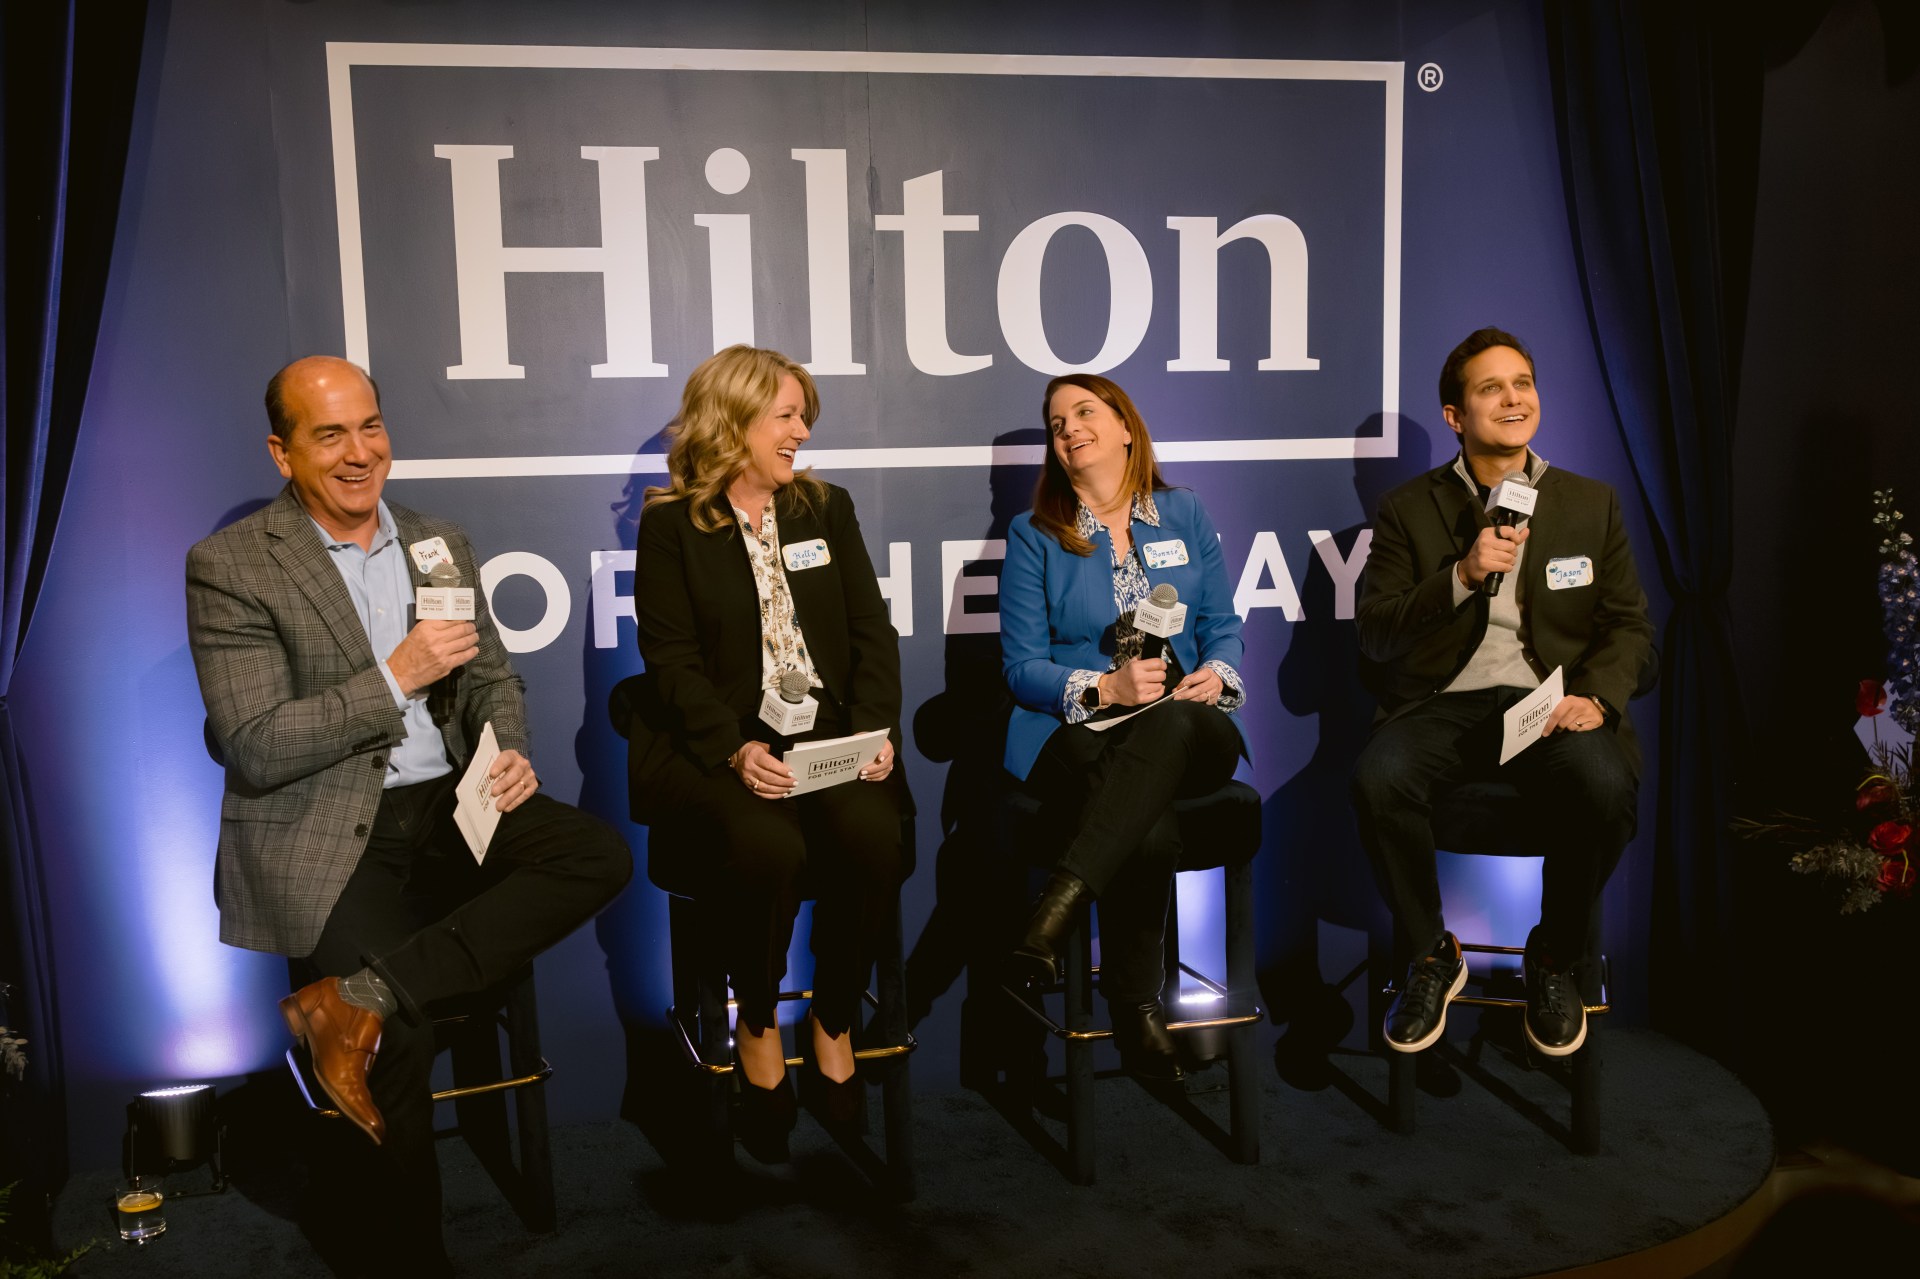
[
  {"x": 1569, "y": 571},
  {"x": 1164, "y": 554},
  {"x": 803, "y": 555}
]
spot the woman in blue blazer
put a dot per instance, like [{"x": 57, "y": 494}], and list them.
[{"x": 1104, "y": 532}]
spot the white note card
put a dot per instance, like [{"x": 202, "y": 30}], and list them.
[
  {"x": 1526, "y": 717},
  {"x": 473, "y": 810},
  {"x": 830, "y": 761}
]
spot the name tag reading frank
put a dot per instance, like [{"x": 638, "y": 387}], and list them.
[
  {"x": 1164, "y": 554},
  {"x": 804, "y": 555}
]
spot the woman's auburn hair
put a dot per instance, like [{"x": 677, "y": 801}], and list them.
[
  {"x": 707, "y": 441},
  {"x": 1055, "y": 505}
]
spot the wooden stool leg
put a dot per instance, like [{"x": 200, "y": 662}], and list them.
[
  {"x": 530, "y": 1107},
  {"x": 1079, "y": 1052},
  {"x": 1243, "y": 1081}
]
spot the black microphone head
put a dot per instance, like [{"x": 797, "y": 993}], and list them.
[
  {"x": 793, "y": 686},
  {"x": 1164, "y": 595},
  {"x": 445, "y": 573}
]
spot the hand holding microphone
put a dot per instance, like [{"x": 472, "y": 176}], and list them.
[
  {"x": 1158, "y": 618},
  {"x": 1496, "y": 551}
]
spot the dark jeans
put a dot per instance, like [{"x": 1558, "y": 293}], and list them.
[
  {"x": 1580, "y": 790},
  {"x": 436, "y": 926},
  {"x": 1114, "y": 791},
  {"x": 753, "y": 852}
]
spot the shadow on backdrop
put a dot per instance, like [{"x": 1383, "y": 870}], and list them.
[
  {"x": 1315, "y": 869},
  {"x": 977, "y": 891}
]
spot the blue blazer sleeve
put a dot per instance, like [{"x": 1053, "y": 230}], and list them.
[{"x": 1026, "y": 649}]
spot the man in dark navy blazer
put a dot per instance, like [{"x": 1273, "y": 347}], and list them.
[{"x": 1447, "y": 657}]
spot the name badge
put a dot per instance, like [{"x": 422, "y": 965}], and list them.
[
  {"x": 1164, "y": 554},
  {"x": 430, "y": 552},
  {"x": 804, "y": 555},
  {"x": 1569, "y": 571}
]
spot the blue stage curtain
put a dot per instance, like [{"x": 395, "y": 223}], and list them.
[
  {"x": 1658, "y": 109},
  {"x": 69, "y": 81}
]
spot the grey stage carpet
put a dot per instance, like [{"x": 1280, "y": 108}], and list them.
[{"x": 1487, "y": 1187}]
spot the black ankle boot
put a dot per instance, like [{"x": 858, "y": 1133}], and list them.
[
  {"x": 1036, "y": 958},
  {"x": 1146, "y": 1048},
  {"x": 765, "y": 1117}
]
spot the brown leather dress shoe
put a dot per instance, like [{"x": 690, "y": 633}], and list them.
[{"x": 343, "y": 1039}]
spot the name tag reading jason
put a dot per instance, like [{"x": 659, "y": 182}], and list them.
[
  {"x": 1569, "y": 571},
  {"x": 1164, "y": 554},
  {"x": 804, "y": 555}
]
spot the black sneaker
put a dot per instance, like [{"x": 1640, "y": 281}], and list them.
[
  {"x": 1419, "y": 1012},
  {"x": 1556, "y": 1020}
]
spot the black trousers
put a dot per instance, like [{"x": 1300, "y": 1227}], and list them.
[
  {"x": 437, "y": 926},
  {"x": 1114, "y": 792},
  {"x": 754, "y": 853},
  {"x": 1582, "y": 797}
]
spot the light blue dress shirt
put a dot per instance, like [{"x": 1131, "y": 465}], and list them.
[{"x": 382, "y": 593}]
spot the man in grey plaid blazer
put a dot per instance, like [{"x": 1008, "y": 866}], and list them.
[{"x": 337, "y": 821}]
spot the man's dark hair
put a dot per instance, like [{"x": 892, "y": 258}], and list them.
[
  {"x": 279, "y": 422},
  {"x": 1453, "y": 385}
]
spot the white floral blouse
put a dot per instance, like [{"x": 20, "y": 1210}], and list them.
[{"x": 782, "y": 647}]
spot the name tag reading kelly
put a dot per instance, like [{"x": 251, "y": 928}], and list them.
[
  {"x": 802, "y": 555},
  {"x": 1569, "y": 571},
  {"x": 1526, "y": 717},
  {"x": 443, "y": 604},
  {"x": 430, "y": 552},
  {"x": 1164, "y": 554}
]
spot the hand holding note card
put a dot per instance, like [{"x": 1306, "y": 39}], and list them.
[
  {"x": 473, "y": 810},
  {"x": 818, "y": 765},
  {"x": 1526, "y": 717}
]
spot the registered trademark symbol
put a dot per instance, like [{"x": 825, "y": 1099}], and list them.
[{"x": 1431, "y": 77}]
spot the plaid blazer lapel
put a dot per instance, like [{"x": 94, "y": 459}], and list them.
[{"x": 309, "y": 565}]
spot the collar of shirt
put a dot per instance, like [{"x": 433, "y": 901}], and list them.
[
  {"x": 1086, "y": 523},
  {"x": 1536, "y": 467},
  {"x": 383, "y": 535}
]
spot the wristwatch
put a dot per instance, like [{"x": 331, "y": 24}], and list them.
[{"x": 1090, "y": 696}]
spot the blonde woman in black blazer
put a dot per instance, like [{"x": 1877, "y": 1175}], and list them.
[{"x": 747, "y": 569}]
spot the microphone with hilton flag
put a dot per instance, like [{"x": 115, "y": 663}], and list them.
[
  {"x": 1509, "y": 504},
  {"x": 789, "y": 708},
  {"x": 1158, "y": 618}
]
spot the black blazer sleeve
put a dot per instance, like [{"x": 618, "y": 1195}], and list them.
[
  {"x": 873, "y": 647},
  {"x": 675, "y": 640}
]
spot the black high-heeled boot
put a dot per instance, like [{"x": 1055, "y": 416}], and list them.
[
  {"x": 837, "y": 1102},
  {"x": 1037, "y": 958},
  {"x": 765, "y": 1116},
  {"x": 1146, "y": 1046}
]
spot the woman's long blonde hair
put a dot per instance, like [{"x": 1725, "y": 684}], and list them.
[{"x": 707, "y": 442}]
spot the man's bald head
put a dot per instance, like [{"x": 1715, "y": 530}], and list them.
[{"x": 302, "y": 373}]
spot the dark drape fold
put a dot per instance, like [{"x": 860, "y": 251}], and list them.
[
  {"x": 1658, "y": 110},
  {"x": 67, "y": 87}
]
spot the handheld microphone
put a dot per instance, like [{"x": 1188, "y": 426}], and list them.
[
  {"x": 789, "y": 707},
  {"x": 444, "y": 600},
  {"x": 1510, "y": 503},
  {"x": 1159, "y": 618}
]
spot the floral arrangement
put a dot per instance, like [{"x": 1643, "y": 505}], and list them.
[{"x": 1872, "y": 856}]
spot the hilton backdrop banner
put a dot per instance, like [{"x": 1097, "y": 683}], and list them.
[{"x": 532, "y": 222}]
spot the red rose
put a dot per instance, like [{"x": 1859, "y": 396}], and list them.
[
  {"x": 1896, "y": 876},
  {"x": 1872, "y": 697},
  {"x": 1889, "y": 839},
  {"x": 1872, "y": 791}
]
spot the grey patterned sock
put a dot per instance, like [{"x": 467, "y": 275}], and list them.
[{"x": 365, "y": 989}]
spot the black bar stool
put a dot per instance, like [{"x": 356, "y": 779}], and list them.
[
  {"x": 1488, "y": 819},
  {"x": 1218, "y": 830}
]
